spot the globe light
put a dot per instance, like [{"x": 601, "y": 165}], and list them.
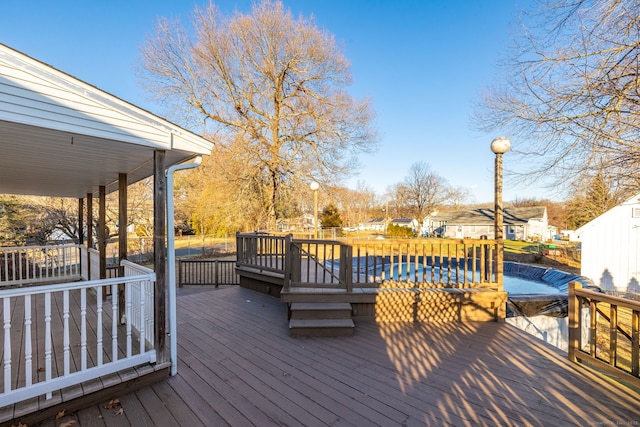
[{"x": 500, "y": 145}]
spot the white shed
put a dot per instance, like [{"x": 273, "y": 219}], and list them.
[{"x": 610, "y": 248}]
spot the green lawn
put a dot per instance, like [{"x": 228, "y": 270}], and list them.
[{"x": 518, "y": 247}]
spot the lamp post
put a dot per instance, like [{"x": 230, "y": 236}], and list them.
[
  {"x": 314, "y": 187},
  {"x": 499, "y": 146}
]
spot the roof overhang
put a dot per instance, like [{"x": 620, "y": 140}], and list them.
[{"x": 63, "y": 137}]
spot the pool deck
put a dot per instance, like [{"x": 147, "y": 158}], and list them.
[{"x": 238, "y": 366}]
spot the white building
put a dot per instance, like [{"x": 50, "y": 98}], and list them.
[
  {"x": 610, "y": 248},
  {"x": 376, "y": 224}
]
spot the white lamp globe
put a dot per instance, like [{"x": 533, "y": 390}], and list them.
[{"x": 500, "y": 145}]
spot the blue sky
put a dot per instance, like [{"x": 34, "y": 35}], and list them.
[{"x": 422, "y": 63}]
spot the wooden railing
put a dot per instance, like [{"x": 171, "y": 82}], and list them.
[
  {"x": 77, "y": 334},
  {"x": 207, "y": 272},
  {"x": 449, "y": 263},
  {"x": 462, "y": 263},
  {"x": 604, "y": 331},
  {"x": 317, "y": 263},
  {"x": 262, "y": 251},
  {"x": 27, "y": 264}
]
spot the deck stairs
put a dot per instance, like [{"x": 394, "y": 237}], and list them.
[{"x": 320, "y": 319}]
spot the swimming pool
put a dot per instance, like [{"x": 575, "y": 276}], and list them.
[{"x": 518, "y": 278}]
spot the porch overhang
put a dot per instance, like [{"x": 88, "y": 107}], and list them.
[{"x": 63, "y": 137}]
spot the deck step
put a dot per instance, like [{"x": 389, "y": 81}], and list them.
[
  {"x": 316, "y": 310},
  {"x": 320, "y": 319},
  {"x": 321, "y": 327}
]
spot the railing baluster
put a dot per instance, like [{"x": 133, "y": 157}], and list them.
[
  {"x": 449, "y": 266},
  {"x": 28, "y": 348},
  {"x": 99, "y": 326},
  {"x": 440, "y": 263},
  {"x": 66, "y": 345},
  {"x": 613, "y": 334},
  {"x": 20, "y": 264},
  {"x": 635, "y": 343},
  {"x": 592, "y": 327},
  {"x": 114, "y": 322},
  {"x": 83, "y": 329},
  {"x": 6, "y": 306},
  {"x": 48, "y": 348},
  {"x": 129, "y": 317},
  {"x": 142, "y": 330}
]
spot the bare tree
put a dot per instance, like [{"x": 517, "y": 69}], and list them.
[
  {"x": 270, "y": 84},
  {"x": 355, "y": 205},
  {"x": 422, "y": 191},
  {"x": 569, "y": 97},
  {"x": 457, "y": 197}
]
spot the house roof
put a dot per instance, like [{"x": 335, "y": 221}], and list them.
[
  {"x": 63, "y": 137},
  {"x": 511, "y": 216},
  {"x": 377, "y": 221},
  {"x": 402, "y": 221}
]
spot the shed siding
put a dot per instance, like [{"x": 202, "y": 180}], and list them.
[{"x": 610, "y": 253}]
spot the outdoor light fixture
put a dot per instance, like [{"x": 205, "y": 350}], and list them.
[
  {"x": 499, "y": 146},
  {"x": 314, "y": 187}
]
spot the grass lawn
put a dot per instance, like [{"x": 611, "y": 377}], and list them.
[{"x": 546, "y": 254}]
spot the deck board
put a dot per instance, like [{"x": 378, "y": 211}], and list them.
[{"x": 238, "y": 366}]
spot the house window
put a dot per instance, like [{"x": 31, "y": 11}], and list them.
[
  {"x": 510, "y": 229},
  {"x": 472, "y": 229},
  {"x": 635, "y": 213}
]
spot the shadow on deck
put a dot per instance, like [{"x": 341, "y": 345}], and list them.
[{"x": 238, "y": 366}]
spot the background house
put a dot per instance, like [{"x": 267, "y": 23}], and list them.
[
  {"x": 304, "y": 223},
  {"x": 611, "y": 247},
  {"x": 376, "y": 224},
  {"x": 522, "y": 223},
  {"x": 406, "y": 222}
]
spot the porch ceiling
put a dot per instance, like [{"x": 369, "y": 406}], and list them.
[{"x": 46, "y": 162}]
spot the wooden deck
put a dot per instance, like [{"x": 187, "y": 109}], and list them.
[{"x": 238, "y": 366}]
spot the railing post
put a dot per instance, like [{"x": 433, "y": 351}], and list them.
[
  {"x": 180, "y": 277},
  {"x": 574, "y": 320},
  {"x": 346, "y": 266},
  {"x": 239, "y": 248},
  {"x": 288, "y": 262},
  {"x": 216, "y": 273}
]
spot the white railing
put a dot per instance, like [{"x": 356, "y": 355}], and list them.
[
  {"x": 141, "y": 298},
  {"x": 27, "y": 264},
  {"x": 77, "y": 334}
]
